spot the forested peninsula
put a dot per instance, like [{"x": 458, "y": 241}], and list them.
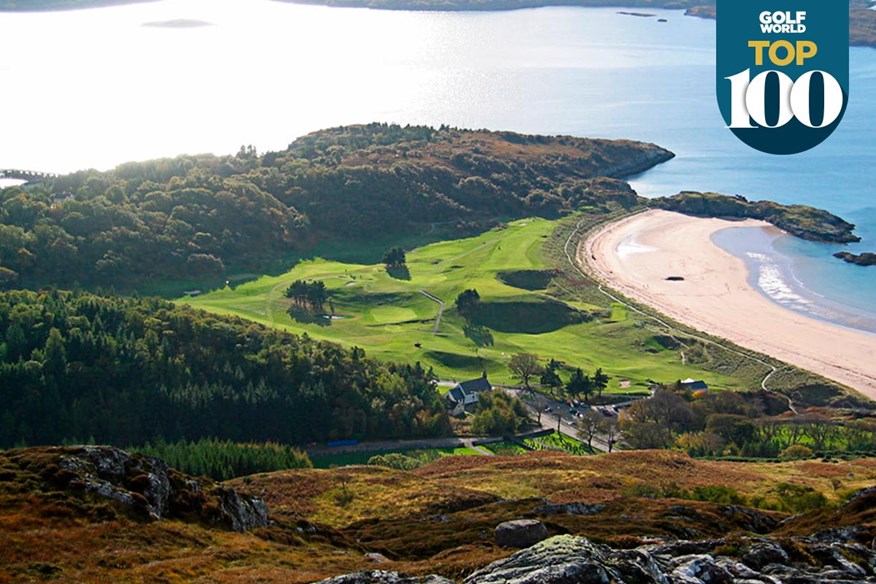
[{"x": 204, "y": 215}]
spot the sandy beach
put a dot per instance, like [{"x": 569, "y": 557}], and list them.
[{"x": 637, "y": 254}]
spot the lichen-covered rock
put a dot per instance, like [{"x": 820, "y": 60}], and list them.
[
  {"x": 136, "y": 481},
  {"x": 699, "y": 568},
  {"x": 148, "y": 487},
  {"x": 570, "y": 559},
  {"x": 381, "y": 577},
  {"x": 521, "y": 533},
  {"x": 565, "y": 559}
]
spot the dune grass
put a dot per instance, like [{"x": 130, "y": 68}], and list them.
[{"x": 389, "y": 316}]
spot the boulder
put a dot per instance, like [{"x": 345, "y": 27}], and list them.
[
  {"x": 567, "y": 559},
  {"x": 700, "y": 568},
  {"x": 863, "y": 259},
  {"x": 521, "y": 533},
  {"x": 763, "y": 553}
]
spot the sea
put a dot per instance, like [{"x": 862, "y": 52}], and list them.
[{"x": 95, "y": 88}]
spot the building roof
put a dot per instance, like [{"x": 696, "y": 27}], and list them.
[
  {"x": 458, "y": 393},
  {"x": 694, "y": 384},
  {"x": 455, "y": 395},
  {"x": 475, "y": 385}
]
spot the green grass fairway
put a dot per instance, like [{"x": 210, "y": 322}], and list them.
[{"x": 387, "y": 317}]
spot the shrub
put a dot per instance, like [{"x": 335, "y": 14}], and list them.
[
  {"x": 718, "y": 494},
  {"x": 796, "y": 452}
]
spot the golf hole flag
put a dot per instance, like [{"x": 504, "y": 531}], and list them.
[{"x": 782, "y": 71}]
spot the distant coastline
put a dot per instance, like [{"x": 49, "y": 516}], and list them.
[
  {"x": 58, "y": 5},
  {"x": 862, "y": 20}
]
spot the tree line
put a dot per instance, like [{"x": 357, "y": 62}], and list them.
[
  {"x": 222, "y": 459},
  {"x": 526, "y": 366},
  {"x": 750, "y": 425},
  {"x": 77, "y": 367}
]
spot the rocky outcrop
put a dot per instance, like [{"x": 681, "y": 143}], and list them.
[
  {"x": 148, "y": 487},
  {"x": 381, "y": 577},
  {"x": 569, "y": 509},
  {"x": 568, "y": 559},
  {"x": 243, "y": 513},
  {"x": 799, "y": 220},
  {"x": 520, "y": 534},
  {"x": 863, "y": 259},
  {"x": 139, "y": 482}
]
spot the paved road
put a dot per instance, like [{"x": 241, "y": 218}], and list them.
[
  {"x": 558, "y": 418},
  {"x": 440, "y": 309}
]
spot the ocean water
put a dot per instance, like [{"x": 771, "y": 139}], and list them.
[
  {"x": 791, "y": 275},
  {"x": 95, "y": 88}
]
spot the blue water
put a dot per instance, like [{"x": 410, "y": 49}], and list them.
[
  {"x": 132, "y": 93},
  {"x": 836, "y": 175},
  {"x": 783, "y": 269}
]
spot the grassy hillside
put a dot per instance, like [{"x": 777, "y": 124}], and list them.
[
  {"x": 436, "y": 519},
  {"x": 388, "y": 315}
]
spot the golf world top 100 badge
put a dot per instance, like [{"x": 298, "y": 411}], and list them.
[{"x": 782, "y": 71}]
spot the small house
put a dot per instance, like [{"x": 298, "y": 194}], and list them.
[
  {"x": 465, "y": 394},
  {"x": 693, "y": 385}
]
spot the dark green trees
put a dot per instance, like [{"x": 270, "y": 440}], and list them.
[
  {"x": 549, "y": 376},
  {"x": 466, "y": 301},
  {"x": 394, "y": 258},
  {"x": 125, "y": 371},
  {"x": 308, "y": 295},
  {"x": 580, "y": 384}
]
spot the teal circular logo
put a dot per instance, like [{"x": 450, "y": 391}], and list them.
[{"x": 782, "y": 71}]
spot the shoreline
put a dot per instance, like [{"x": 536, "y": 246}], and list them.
[{"x": 715, "y": 296}]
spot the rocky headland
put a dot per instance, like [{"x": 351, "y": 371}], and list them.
[{"x": 800, "y": 220}]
